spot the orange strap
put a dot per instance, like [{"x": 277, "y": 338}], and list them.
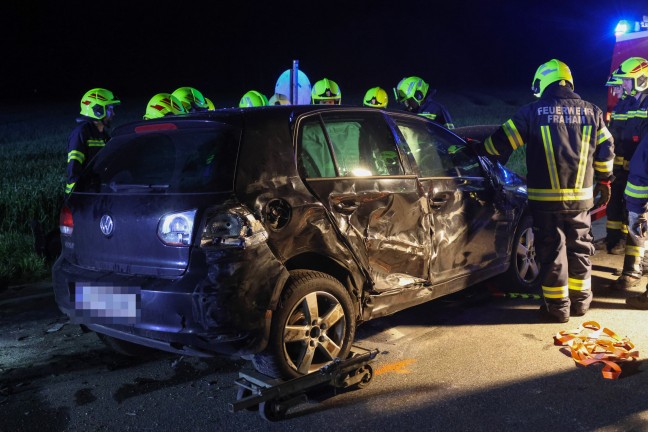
[{"x": 601, "y": 345}]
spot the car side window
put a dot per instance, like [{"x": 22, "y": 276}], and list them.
[
  {"x": 362, "y": 143},
  {"x": 437, "y": 152}
]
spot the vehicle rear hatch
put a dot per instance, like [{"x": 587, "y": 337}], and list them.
[{"x": 122, "y": 203}]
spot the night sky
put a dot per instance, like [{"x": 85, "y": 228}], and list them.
[{"x": 60, "y": 49}]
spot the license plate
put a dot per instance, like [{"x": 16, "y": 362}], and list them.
[{"x": 107, "y": 304}]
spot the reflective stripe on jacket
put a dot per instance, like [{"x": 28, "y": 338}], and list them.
[{"x": 567, "y": 146}]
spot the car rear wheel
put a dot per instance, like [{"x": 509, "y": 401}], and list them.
[
  {"x": 524, "y": 271},
  {"x": 313, "y": 325}
]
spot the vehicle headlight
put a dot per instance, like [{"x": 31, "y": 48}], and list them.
[{"x": 175, "y": 229}]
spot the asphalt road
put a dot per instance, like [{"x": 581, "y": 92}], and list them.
[{"x": 467, "y": 362}]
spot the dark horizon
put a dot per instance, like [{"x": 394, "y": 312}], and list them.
[{"x": 59, "y": 52}]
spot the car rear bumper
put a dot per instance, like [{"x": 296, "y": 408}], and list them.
[{"x": 204, "y": 312}]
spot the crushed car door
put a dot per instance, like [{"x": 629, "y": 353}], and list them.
[
  {"x": 469, "y": 233},
  {"x": 350, "y": 161}
]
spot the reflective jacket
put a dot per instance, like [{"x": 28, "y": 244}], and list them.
[
  {"x": 618, "y": 121},
  {"x": 84, "y": 143},
  {"x": 567, "y": 145},
  {"x": 435, "y": 111},
  {"x": 636, "y": 191},
  {"x": 635, "y": 119}
]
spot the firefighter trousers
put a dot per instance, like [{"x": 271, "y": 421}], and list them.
[
  {"x": 563, "y": 247},
  {"x": 615, "y": 210}
]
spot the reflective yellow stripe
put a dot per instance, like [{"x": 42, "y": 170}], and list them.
[
  {"x": 551, "y": 160},
  {"x": 580, "y": 285},
  {"x": 604, "y": 166},
  {"x": 622, "y": 116},
  {"x": 582, "y": 161},
  {"x": 490, "y": 147},
  {"x": 69, "y": 187},
  {"x": 513, "y": 135},
  {"x": 611, "y": 224},
  {"x": 634, "y": 251},
  {"x": 635, "y": 191},
  {"x": 76, "y": 155},
  {"x": 603, "y": 135},
  {"x": 428, "y": 115},
  {"x": 560, "y": 194},
  {"x": 555, "y": 292},
  {"x": 624, "y": 229},
  {"x": 618, "y": 160},
  {"x": 638, "y": 114},
  {"x": 96, "y": 143},
  {"x": 449, "y": 125}
]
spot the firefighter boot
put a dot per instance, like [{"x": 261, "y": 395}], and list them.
[
  {"x": 625, "y": 282},
  {"x": 638, "y": 302},
  {"x": 554, "y": 316},
  {"x": 618, "y": 249}
]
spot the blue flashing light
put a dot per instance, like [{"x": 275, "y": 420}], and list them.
[{"x": 622, "y": 28}]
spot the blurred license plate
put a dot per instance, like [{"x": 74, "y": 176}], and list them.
[{"x": 107, "y": 304}]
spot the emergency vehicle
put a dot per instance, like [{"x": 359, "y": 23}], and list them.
[{"x": 631, "y": 41}]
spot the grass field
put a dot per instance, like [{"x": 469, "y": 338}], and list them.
[{"x": 33, "y": 160}]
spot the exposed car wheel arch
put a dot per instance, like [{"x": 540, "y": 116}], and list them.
[{"x": 325, "y": 264}]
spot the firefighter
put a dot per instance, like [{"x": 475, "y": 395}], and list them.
[
  {"x": 163, "y": 104},
  {"x": 616, "y": 230},
  {"x": 416, "y": 95},
  {"x": 326, "y": 92},
  {"x": 375, "y": 97},
  {"x": 636, "y": 195},
  {"x": 634, "y": 74},
  {"x": 253, "y": 98},
  {"x": 91, "y": 134},
  {"x": 567, "y": 147},
  {"x": 192, "y": 99}
]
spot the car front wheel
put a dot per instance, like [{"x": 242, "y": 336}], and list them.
[
  {"x": 313, "y": 325},
  {"x": 524, "y": 271}
]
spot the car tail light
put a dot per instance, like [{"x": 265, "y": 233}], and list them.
[
  {"x": 234, "y": 227},
  {"x": 175, "y": 229},
  {"x": 66, "y": 223}
]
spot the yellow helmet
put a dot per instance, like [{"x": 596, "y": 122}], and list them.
[
  {"x": 191, "y": 99},
  {"x": 163, "y": 104},
  {"x": 210, "y": 104},
  {"x": 636, "y": 69},
  {"x": 549, "y": 73},
  {"x": 375, "y": 97},
  {"x": 326, "y": 91},
  {"x": 279, "y": 99},
  {"x": 95, "y": 101},
  {"x": 253, "y": 98}
]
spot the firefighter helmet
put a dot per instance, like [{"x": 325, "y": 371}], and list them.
[
  {"x": 636, "y": 69},
  {"x": 163, "y": 104},
  {"x": 279, "y": 99},
  {"x": 191, "y": 99},
  {"x": 548, "y": 73},
  {"x": 411, "y": 88},
  {"x": 326, "y": 91},
  {"x": 210, "y": 104},
  {"x": 95, "y": 101},
  {"x": 253, "y": 98},
  {"x": 375, "y": 97}
]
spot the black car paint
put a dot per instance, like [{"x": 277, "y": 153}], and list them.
[{"x": 221, "y": 301}]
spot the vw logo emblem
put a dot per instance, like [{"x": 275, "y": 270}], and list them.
[{"x": 106, "y": 225}]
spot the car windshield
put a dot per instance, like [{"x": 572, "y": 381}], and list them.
[{"x": 176, "y": 161}]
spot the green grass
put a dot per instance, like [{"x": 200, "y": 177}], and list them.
[{"x": 33, "y": 143}]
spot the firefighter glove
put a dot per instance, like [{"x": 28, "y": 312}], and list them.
[
  {"x": 603, "y": 190},
  {"x": 637, "y": 224}
]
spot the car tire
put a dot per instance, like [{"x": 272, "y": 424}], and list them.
[
  {"x": 524, "y": 270},
  {"x": 126, "y": 348},
  {"x": 313, "y": 325}
]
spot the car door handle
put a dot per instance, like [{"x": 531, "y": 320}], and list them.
[
  {"x": 439, "y": 200},
  {"x": 346, "y": 206}
]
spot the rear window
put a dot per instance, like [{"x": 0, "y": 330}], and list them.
[{"x": 184, "y": 160}]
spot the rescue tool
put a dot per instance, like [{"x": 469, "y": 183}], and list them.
[{"x": 273, "y": 397}]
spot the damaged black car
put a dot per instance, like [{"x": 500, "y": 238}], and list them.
[{"x": 271, "y": 233}]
